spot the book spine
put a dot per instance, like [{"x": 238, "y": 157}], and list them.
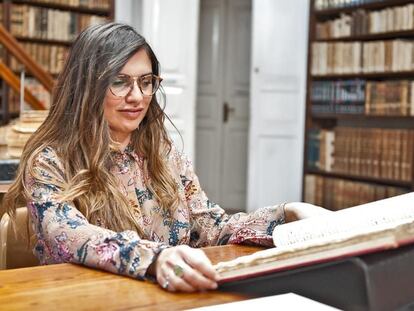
[{"x": 336, "y": 193}]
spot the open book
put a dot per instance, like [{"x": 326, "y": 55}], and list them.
[{"x": 362, "y": 229}]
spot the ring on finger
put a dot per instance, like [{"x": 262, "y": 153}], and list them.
[
  {"x": 178, "y": 271},
  {"x": 166, "y": 283}
]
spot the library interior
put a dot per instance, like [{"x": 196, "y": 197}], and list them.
[{"x": 206, "y": 154}]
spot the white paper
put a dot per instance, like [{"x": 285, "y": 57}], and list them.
[{"x": 288, "y": 301}]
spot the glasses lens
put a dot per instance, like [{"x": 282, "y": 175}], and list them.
[
  {"x": 149, "y": 84},
  {"x": 120, "y": 87}
]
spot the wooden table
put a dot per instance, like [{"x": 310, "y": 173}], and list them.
[{"x": 73, "y": 287}]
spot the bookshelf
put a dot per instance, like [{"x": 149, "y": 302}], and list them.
[
  {"x": 45, "y": 29},
  {"x": 328, "y": 8},
  {"x": 359, "y": 131}
]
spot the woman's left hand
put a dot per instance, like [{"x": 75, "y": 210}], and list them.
[
  {"x": 185, "y": 269},
  {"x": 299, "y": 210}
]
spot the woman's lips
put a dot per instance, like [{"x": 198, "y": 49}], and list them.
[{"x": 131, "y": 113}]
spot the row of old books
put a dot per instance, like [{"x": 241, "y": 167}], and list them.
[
  {"x": 50, "y": 57},
  {"x": 361, "y": 22},
  {"x": 362, "y": 57},
  {"x": 365, "y": 152},
  {"x": 390, "y": 98},
  {"x": 340, "y": 57},
  {"x": 374, "y": 152},
  {"x": 356, "y": 96},
  {"x": 340, "y": 96},
  {"x": 44, "y": 23},
  {"x": 394, "y": 55},
  {"x": 336, "y": 193},
  {"x": 334, "y": 4},
  {"x": 91, "y": 4}
]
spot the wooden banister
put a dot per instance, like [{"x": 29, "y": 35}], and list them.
[
  {"x": 13, "y": 46},
  {"x": 14, "y": 82}
]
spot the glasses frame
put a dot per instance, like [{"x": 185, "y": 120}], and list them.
[{"x": 137, "y": 80}]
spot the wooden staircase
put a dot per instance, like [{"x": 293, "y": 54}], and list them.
[{"x": 9, "y": 79}]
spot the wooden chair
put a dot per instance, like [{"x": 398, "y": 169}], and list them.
[{"x": 14, "y": 248}]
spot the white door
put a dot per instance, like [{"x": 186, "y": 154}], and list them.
[
  {"x": 171, "y": 28},
  {"x": 223, "y": 100},
  {"x": 277, "y": 102}
]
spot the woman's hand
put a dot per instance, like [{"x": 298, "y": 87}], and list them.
[
  {"x": 182, "y": 268},
  {"x": 299, "y": 210}
]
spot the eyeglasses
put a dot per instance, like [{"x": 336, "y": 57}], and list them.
[{"x": 123, "y": 84}]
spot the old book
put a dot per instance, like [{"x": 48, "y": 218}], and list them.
[{"x": 362, "y": 229}]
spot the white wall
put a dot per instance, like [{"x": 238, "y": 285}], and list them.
[
  {"x": 123, "y": 11},
  {"x": 129, "y": 12}
]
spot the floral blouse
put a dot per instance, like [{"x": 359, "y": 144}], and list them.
[{"x": 65, "y": 235}]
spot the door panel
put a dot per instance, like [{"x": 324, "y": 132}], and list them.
[
  {"x": 224, "y": 66},
  {"x": 210, "y": 98},
  {"x": 237, "y": 82},
  {"x": 277, "y": 101},
  {"x": 272, "y": 183}
]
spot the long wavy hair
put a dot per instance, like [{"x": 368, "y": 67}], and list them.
[{"x": 76, "y": 119}]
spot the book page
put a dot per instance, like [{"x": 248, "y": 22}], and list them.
[{"x": 340, "y": 225}]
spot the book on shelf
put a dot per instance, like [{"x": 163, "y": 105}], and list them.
[
  {"x": 338, "y": 97},
  {"x": 356, "y": 96},
  {"x": 373, "y": 152},
  {"x": 313, "y": 148},
  {"x": 50, "y": 57},
  {"x": 320, "y": 5},
  {"x": 91, "y": 4},
  {"x": 48, "y": 23},
  {"x": 362, "y": 22},
  {"x": 362, "y": 57},
  {"x": 321, "y": 149},
  {"x": 390, "y": 98},
  {"x": 339, "y": 193},
  {"x": 363, "y": 229}
]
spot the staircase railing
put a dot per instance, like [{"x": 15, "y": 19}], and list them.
[
  {"x": 13, "y": 46},
  {"x": 14, "y": 82}
]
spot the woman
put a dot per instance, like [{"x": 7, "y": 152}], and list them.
[{"x": 106, "y": 188}]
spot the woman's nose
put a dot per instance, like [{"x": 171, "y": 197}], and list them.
[{"x": 135, "y": 94}]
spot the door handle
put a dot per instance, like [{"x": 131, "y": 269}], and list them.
[{"x": 226, "y": 111}]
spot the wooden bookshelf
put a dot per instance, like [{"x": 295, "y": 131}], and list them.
[
  {"x": 392, "y": 151},
  {"x": 78, "y": 9},
  {"x": 361, "y": 117},
  {"x": 368, "y": 179},
  {"x": 404, "y": 34},
  {"x": 43, "y": 42},
  {"x": 377, "y": 5},
  {"x": 371, "y": 75}
]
